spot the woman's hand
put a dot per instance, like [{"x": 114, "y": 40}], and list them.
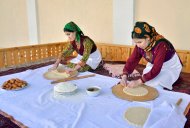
[
  {"x": 69, "y": 70},
  {"x": 54, "y": 67},
  {"x": 134, "y": 83},
  {"x": 77, "y": 67},
  {"x": 123, "y": 80}
]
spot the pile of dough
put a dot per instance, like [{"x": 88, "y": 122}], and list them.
[
  {"x": 137, "y": 91},
  {"x": 65, "y": 88},
  {"x": 137, "y": 116}
]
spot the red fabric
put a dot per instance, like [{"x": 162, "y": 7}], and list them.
[{"x": 132, "y": 61}]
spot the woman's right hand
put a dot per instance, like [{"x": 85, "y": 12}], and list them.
[
  {"x": 54, "y": 67},
  {"x": 123, "y": 81},
  {"x": 69, "y": 70}
]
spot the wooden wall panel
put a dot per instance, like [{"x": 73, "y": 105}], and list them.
[
  {"x": 2, "y": 62},
  {"x": 16, "y": 56},
  {"x": 112, "y": 52}
]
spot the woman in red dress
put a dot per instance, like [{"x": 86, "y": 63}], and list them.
[{"x": 163, "y": 67}]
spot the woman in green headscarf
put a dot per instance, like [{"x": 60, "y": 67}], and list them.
[
  {"x": 163, "y": 67},
  {"x": 88, "y": 57}
]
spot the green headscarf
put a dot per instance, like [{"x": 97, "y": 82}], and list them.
[
  {"x": 144, "y": 30},
  {"x": 72, "y": 27}
]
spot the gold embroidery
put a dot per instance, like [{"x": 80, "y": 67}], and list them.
[
  {"x": 148, "y": 56},
  {"x": 78, "y": 45},
  {"x": 138, "y": 30},
  {"x": 159, "y": 37},
  {"x": 147, "y": 36},
  {"x": 146, "y": 28},
  {"x": 67, "y": 51},
  {"x": 88, "y": 44}
]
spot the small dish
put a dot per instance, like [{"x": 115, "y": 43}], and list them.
[{"x": 93, "y": 91}]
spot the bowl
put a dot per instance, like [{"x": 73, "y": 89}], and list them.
[{"x": 93, "y": 91}]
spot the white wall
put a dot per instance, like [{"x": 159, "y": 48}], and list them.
[
  {"x": 13, "y": 23},
  {"x": 123, "y": 18},
  {"x": 171, "y": 18},
  {"x": 94, "y": 17},
  {"x": 32, "y": 22},
  {"x": 108, "y": 21}
]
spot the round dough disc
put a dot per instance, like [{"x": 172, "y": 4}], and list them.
[
  {"x": 117, "y": 90},
  {"x": 137, "y": 91},
  {"x": 56, "y": 75},
  {"x": 137, "y": 116}
]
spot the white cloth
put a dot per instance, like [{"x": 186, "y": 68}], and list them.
[
  {"x": 37, "y": 107},
  {"x": 165, "y": 115},
  {"x": 168, "y": 75},
  {"x": 93, "y": 61}
]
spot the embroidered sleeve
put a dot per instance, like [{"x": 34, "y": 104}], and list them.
[
  {"x": 88, "y": 44},
  {"x": 67, "y": 51}
]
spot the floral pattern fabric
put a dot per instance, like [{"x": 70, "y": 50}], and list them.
[{"x": 88, "y": 45}]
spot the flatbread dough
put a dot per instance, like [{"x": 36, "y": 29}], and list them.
[
  {"x": 62, "y": 74},
  {"x": 137, "y": 91},
  {"x": 55, "y": 75},
  {"x": 137, "y": 116}
]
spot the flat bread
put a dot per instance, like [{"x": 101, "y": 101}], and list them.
[
  {"x": 117, "y": 90},
  {"x": 57, "y": 75},
  {"x": 137, "y": 91},
  {"x": 62, "y": 74},
  {"x": 137, "y": 116}
]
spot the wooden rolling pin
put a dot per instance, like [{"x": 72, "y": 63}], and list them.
[
  {"x": 72, "y": 78},
  {"x": 179, "y": 102}
]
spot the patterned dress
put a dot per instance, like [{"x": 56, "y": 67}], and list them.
[{"x": 84, "y": 48}]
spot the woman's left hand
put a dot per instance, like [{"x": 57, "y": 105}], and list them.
[
  {"x": 69, "y": 70},
  {"x": 77, "y": 67},
  {"x": 134, "y": 83}
]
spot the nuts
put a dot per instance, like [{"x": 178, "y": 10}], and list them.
[{"x": 14, "y": 84}]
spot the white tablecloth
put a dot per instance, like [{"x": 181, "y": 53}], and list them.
[{"x": 37, "y": 107}]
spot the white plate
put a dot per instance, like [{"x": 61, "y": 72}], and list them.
[{"x": 15, "y": 89}]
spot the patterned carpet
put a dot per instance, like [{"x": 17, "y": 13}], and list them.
[{"x": 181, "y": 85}]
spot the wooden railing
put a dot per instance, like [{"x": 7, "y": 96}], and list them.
[{"x": 16, "y": 56}]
